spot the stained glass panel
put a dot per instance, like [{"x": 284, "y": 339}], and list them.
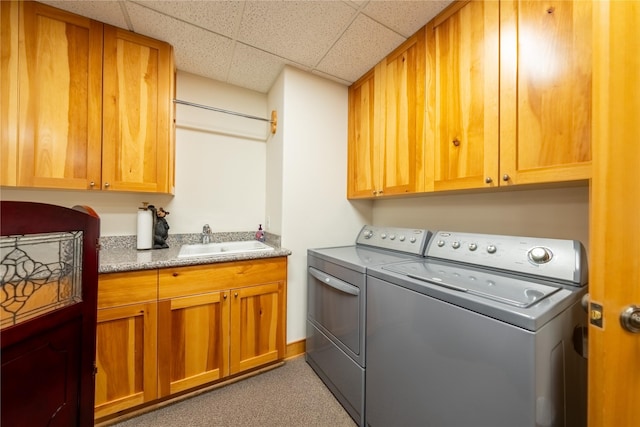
[{"x": 40, "y": 273}]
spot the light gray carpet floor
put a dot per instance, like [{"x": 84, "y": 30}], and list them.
[{"x": 291, "y": 395}]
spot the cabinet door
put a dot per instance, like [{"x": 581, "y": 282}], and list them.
[
  {"x": 463, "y": 57},
  {"x": 9, "y": 90},
  {"x": 545, "y": 90},
  {"x": 364, "y": 134},
  {"x": 125, "y": 357},
  {"x": 60, "y": 98},
  {"x": 403, "y": 152},
  {"x": 137, "y": 151},
  {"x": 257, "y": 326},
  {"x": 194, "y": 345}
]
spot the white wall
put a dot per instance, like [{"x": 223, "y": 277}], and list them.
[
  {"x": 313, "y": 210},
  {"x": 220, "y": 179}
]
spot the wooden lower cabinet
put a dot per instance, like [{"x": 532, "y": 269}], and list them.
[
  {"x": 126, "y": 341},
  {"x": 125, "y": 357},
  {"x": 186, "y": 327},
  {"x": 256, "y": 329},
  {"x": 219, "y": 320},
  {"x": 194, "y": 343}
]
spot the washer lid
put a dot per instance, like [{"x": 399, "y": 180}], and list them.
[
  {"x": 359, "y": 258},
  {"x": 483, "y": 284}
]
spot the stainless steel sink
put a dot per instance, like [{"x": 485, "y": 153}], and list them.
[{"x": 221, "y": 249}]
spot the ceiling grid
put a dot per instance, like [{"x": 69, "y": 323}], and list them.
[{"x": 247, "y": 43}]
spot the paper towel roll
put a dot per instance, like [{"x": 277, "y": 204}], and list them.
[{"x": 145, "y": 229}]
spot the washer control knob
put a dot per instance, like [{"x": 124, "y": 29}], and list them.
[
  {"x": 540, "y": 255},
  {"x": 412, "y": 239},
  {"x": 440, "y": 243},
  {"x": 383, "y": 235},
  {"x": 491, "y": 249},
  {"x": 455, "y": 245},
  {"x": 368, "y": 234},
  {"x": 392, "y": 237},
  {"x": 473, "y": 246},
  {"x": 401, "y": 238}
]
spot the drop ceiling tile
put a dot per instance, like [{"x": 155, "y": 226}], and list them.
[
  {"x": 107, "y": 11},
  {"x": 359, "y": 49},
  {"x": 405, "y": 17},
  {"x": 330, "y": 77},
  {"x": 300, "y": 31},
  {"x": 196, "y": 50},
  {"x": 253, "y": 68},
  {"x": 222, "y": 17}
]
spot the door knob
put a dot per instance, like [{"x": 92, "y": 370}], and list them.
[{"x": 630, "y": 319}]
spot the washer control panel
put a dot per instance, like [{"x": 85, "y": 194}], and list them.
[
  {"x": 555, "y": 259},
  {"x": 408, "y": 240}
]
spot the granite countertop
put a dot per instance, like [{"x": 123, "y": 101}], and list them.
[{"x": 119, "y": 254}]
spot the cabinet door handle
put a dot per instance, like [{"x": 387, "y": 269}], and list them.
[
  {"x": 488, "y": 180},
  {"x": 175, "y": 274},
  {"x": 92, "y": 184},
  {"x": 505, "y": 177},
  {"x": 106, "y": 185},
  {"x": 224, "y": 296},
  {"x": 235, "y": 295}
]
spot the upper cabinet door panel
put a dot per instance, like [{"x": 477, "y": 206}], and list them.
[
  {"x": 403, "y": 153},
  {"x": 362, "y": 166},
  {"x": 138, "y": 84},
  {"x": 463, "y": 53},
  {"x": 546, "y": 99},
  {"x": 60, "y": 98},
  {"x": 9, "y": 90}
]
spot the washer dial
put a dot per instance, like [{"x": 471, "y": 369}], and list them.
[{"x": 540, "y": 255}]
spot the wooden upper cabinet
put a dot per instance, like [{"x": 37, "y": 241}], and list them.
[
  {"x": 85, "y": 105},
  {"x": 364, "y": 138},
  {"x": 545, "y": 91},
  {"x": 463, "y": 86},
  {"x": 386, "y": 125},
  {"x": 403, "y": 152},
  {"x": 137, "y": 151},
  {"x": 60, "y": 99},
  {"x": 9, "y": 90}
]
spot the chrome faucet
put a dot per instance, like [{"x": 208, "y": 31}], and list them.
[{"x": 206, "y": 234}]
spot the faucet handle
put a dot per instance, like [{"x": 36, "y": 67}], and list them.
[{"x": 206, "y": 229}]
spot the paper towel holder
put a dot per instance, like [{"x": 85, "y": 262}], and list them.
[{"x": 145, "y": 225}]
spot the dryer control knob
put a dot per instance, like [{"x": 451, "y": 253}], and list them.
[
  {"x": 440, "y": 243},
  {"x": 540, "y": 255},
  {"x": 491, "y": 249},
  {"x": 455, "y": 244},
  {"x": 401, "y": 238},
  {"x": 368, "y": 234},
  {"x": 473, "y": 246}
]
